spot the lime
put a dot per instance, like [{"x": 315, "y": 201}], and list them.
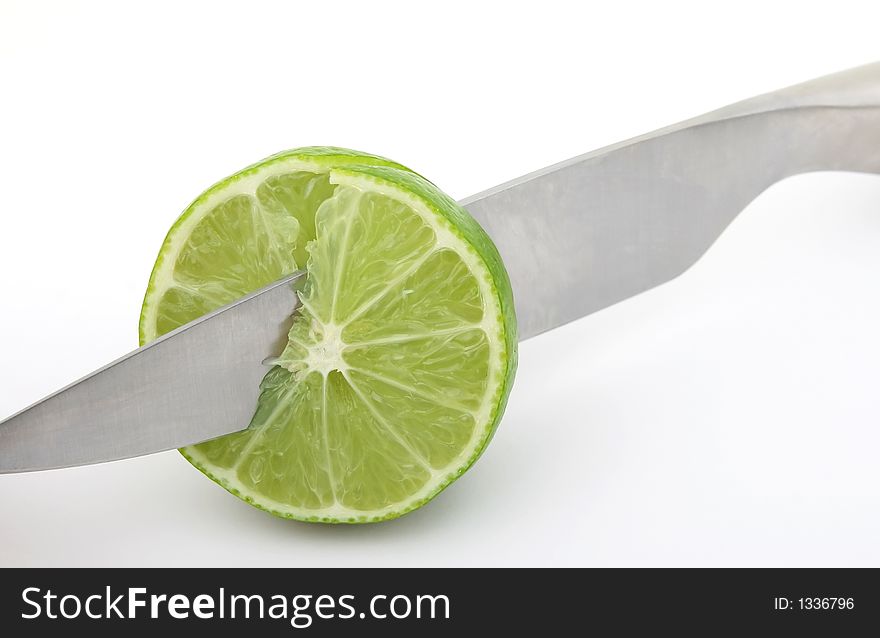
[{"x": 401, "y": 354}]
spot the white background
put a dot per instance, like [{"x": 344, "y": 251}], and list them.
[{"x": 731, "y": 417}]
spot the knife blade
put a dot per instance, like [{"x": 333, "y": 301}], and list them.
[
  {"x": 575, "y": 237},
  {"x": 178, "y": 390}
]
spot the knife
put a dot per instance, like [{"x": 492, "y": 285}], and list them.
[{"x": 575, "y": 237}]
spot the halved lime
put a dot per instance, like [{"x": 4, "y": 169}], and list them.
[{"x": 400, "y": 358}]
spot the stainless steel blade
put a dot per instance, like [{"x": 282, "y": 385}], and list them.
[
  {"x": 575, "y": 237},
  {"x": 597, "y": 229},
  {"x": 196, "y": 383}
]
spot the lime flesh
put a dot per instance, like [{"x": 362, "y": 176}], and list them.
[{"x": 400, "y": 357}]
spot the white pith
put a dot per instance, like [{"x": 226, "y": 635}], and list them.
[{"x": 325, "y": 356}]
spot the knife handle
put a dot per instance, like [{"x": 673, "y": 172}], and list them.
[
  {"x": 853, "y": 88},
  {"x": 615, "y": 222},
  {"x": 830, "y": 123}
]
